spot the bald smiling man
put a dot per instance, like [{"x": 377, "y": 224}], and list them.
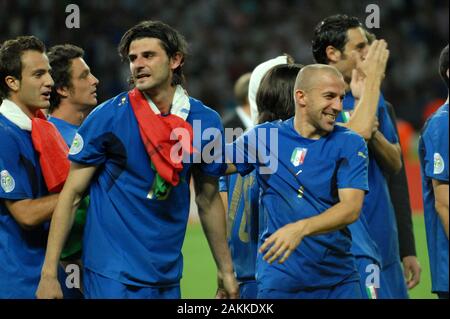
[{"x": 316, "y": 190}]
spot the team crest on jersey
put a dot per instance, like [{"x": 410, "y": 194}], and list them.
[
  {"x": 438, "y": 164},
  {"x": 298, "y": 156},
  {"x": 77, "y": 145},
  {"x": 7, "y": 181}
]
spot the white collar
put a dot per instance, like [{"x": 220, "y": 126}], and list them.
[
  {"x": 14, "y": 113},
  {"x": 247, "y": 120},
  {"x": 180, "y": 104}
]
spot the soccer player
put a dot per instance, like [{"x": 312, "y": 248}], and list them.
[
  {"x": 433, "y": 153},
  {"x": 399, "y": 193},
  {"x": 341, "y": 41},
  {"x": 74, "y": 95},
  {"x": 275, "y": 101},
  {"x": 30, "y": 151},
  {"x": 139, "y": 190},
  {"x": 313, "y": 182}
]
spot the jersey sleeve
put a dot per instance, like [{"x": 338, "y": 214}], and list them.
[
  {"x": 436, "y": 155},
  {"x": 91, "y": 140},
  {"x": 14, "y": 168},
  {"x": 353, "y": 167},
  {"x": 212, "y": 145},
  {"x": 242, "y": 152}
]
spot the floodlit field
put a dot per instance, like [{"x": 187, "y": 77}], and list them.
[{"x": 199, "y": 280}]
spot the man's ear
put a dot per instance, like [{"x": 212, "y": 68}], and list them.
[
  {"x": 300, "y": 97},
  {"x": 333, "y": 54},
  {"x": 64, "y": 92},
  {"x": 13, "y": 83},
  {"x": 176, "y": 60}
]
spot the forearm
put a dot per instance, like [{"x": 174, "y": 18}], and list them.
[
  {"x": 212, "y": 216},
  {"x": 334, "y": 218},
  {"x": 388, "y": 155},
  {"x": 364, "y": 114},
  {"x": 30, "y": 213},
  {"x": 60, "y": 227}
]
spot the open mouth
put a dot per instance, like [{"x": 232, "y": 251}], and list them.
[
  {"x": 330, "y": 116},
  {"x": 46, "y": 95}
]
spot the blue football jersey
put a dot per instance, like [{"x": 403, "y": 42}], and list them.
[
  {"x": 22, "y": 251},
  {"x": 300, "y": 178},
  {"x": 433, "y": 153},
  {"x": 130, "y": 235},
  {"x": 377, "y": 211},
  {"x": 242, "y": 222},
  {"x": 66, "y": 129}
]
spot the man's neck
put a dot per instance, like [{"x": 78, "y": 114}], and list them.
[
  {"x": 29, "y": 112},
  {"x": 162, "y": 98},
  {"x": 69, "y": 113},
  {"x": 305, "y": 129}
]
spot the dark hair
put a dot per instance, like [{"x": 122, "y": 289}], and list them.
[
  {"x": 60, "y": 58},
  {"x": 332, "y": 31},
  {"x": 275, "y": 96},
  {"x": 443, "y": 64},
  {"x": 171, "y": 40},
  {"x": 11, "y": 53}
]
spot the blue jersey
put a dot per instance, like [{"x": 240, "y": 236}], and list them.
[
  {"x": 242, "y": 231},
  {"x": 66, "y": 129},
  {"x": 298, "y": 180},
  {"x": 377, "y": 209},
  {"x": 433, "y": 152},
  {"x": 21, "y": 251},
  {"x": 130, "y": 236}
]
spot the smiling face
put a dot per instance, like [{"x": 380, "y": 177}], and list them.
[
  {"x": 33, "y": 90},
  {"x": 321, "y": 103},
  {"x": 83, "y": 91},
  {"x": 151, "y": 68}
]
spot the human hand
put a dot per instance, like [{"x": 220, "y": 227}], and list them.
[
  {"x": 411, "y": 270},
  {"x": 283, "y": 242},
  {"x": 227, "y": 286},
  {"x": 49, "y": 288},
  {"x": 374, "y": 65}
]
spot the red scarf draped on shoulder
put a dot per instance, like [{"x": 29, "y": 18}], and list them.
[
  {"x": 52, "y": 150},
  {"x": 159, "y": 138}
]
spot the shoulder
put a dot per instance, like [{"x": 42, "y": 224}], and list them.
[
  {"x": 437, "y": 124},
  {"x": 199, "y": 111},
  {"x": 10, "y": 135},
  {"x": 107, "y": 110},
  {"x": 346, "y": 138}
]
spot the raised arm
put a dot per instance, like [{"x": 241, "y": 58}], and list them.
[
  {"x": 368, "y": 77},
  {"x": 62, "y": 221}
]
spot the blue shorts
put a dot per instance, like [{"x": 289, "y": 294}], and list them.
[
  {"x": 349, "y": 290},
  {"x": 248, "y": 289},
  {"x": 370, "y": 272},
  {"x": 392, "y": 282},
  {"x": 97, "y": 286}
]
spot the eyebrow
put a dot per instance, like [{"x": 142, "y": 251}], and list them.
[
  {"x": 39, "y": 71},
  {"x": 142, "y": 53}
]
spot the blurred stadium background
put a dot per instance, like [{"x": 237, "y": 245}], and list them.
[{"x": 230, "y": 37}]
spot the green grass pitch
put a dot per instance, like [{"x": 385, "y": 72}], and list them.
[{"x": 199, "y": 276}]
